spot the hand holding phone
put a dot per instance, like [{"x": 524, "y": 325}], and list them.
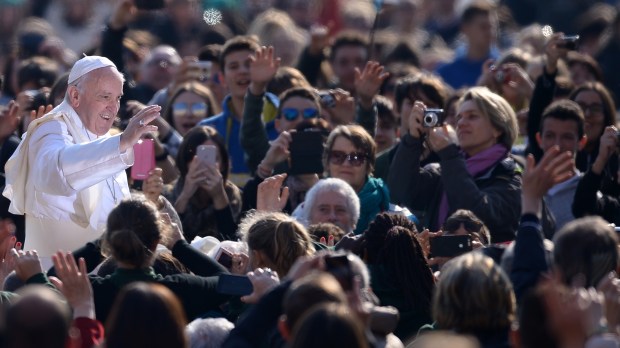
[
  {"x": 144, "y": 159},
  {"x": 225, "y": 258}
]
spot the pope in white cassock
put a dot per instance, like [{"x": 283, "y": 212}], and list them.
[{"x": 68, "y": 171}]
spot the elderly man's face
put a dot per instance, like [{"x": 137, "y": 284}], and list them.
[
  {"x": 98, "y": 102},
  {"x": 331, "y": 206}
]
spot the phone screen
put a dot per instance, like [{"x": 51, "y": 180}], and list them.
[
  {"x": 224, "y": 257},
  {"x": 306, "y": 153},
  {"x": 207, "y": 154},
  {"x": 144, "y": 159}
]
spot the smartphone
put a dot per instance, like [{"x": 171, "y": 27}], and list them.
[
  {"x": 144, "y": 154},
  {"x": 200, "y": 70},
  {"x": 224, "y": 257},
  {"x": 207, "y": 154},
  {"x": 450, "y": 246},
  {"x": 306, "y": 153},
  {"x": 230, "y": 284},
  {"x": 340, "y": 268},
  {"x": 149, "y": 4}
]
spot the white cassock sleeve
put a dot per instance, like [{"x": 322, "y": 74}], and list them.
[{"x": 62, "y": 167}]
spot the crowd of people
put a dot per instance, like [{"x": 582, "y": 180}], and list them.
[{"x": 309, "y": 173}]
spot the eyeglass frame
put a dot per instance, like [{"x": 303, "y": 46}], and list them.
[
  {"x": 357, "y": 162},
  {"x": 189, "y": 107}
]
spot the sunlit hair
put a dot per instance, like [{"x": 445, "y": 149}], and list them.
[
  {"x": 335, "y": 185},
  {"x": 280, "y": 238},
  {"x": 497, "y": 110},
  {"x": 585, "y": 249},
  {"x": 473, "y": 294},
  {"x": 133, "y": 230}
]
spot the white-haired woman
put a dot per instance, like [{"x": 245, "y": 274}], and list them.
[{"x": 475, "y": 171}]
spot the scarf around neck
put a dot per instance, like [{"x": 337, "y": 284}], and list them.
[{"x": 374, "y": 198}]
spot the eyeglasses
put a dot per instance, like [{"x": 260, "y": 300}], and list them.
[
  {"x": 355, "y": 159},
  {"x": 594, "y": 108},
  {"x": 197, "y": 109},
  {"x": 291, "y": 114},
  {"x": 452, "y": 225}
]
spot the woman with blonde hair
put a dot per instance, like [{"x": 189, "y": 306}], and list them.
[
  {"x": 474, "y": 296},
  {"x": 475, "y": 170},
  {"x": 275, "y": 240}
]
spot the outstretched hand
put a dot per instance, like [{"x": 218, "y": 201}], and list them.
[
  {"x": 369, "y": 81},
  {"x": 271, "y": 195},
  {"x": 138, "y": 126},
  {"x": 553, "y": 168},
  {"x": 263, "y": 67},
  {"x": 74, "y": 284}
]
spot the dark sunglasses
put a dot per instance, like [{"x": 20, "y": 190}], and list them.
[
  {"x": 452, "y": 225},
  {"x": 355, "y": 159},
  {"x": 291, "y": 114},
  {"x": 197, "y": 109}
]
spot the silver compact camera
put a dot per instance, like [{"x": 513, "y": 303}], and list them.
[{"x": 433, "y": 118}]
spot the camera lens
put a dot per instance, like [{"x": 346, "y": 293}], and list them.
[{"x": 430, "y": 119}]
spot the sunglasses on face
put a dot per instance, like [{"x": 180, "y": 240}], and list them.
[
  {"x": 291, "y": 114},
  {"x": 196, "y": 109},
  {"x": 452, "y": 225},
  {"x": 354, "y": 158}
]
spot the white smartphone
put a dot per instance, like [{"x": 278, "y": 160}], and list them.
[{"x": 207, "y": 154}]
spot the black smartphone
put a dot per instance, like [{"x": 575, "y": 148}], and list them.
[
  {"x": 306, "y": 153},
  {"x": 150, "y": 4},
  {"x": 340, "y": 268},
  {"x": 450, "y": 246},
  {"x": 230, "y": 284}
]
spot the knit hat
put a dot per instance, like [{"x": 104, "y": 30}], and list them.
[{"x": 88, "y": 64}]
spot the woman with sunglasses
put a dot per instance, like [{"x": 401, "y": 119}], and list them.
[
  {"x": 189, "y": 104},
  {"x": 350, "y": 155},
  {"x": 206, "y": 201},
  {"x": 479, "y": 176}
]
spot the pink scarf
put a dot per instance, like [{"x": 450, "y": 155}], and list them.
[{"x": 476, "y": 165}]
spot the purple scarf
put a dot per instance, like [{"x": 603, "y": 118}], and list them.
[{"x": 476, "y": 165}]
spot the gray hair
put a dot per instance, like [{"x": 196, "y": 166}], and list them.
[
  {"x": 208, "y": 333},
  {"x": 302, "y": 213}
]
